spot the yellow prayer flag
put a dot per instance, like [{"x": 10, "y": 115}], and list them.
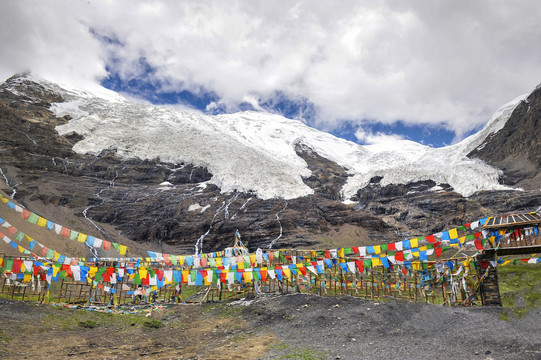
[
  {"x": 377, "y": 249},
  {"x": 41, "y": 222},
  {"x": 81, "y": 238},
  {"x": 92, "y": 271},
  {"x": 454, "y": 245},
  {"x": 341, "y": 253},
  {"x": 423, "y": 248},
  {"x": 56, "y": 256},
  {"x": 506, "y": 262},
  {"x": 21, "y": 249},
  {"x": 143, "y": 272},
  {"x": 27, "y": 278},
  {"x": 55, "y": 270},
  {"x": 287, "y": 272},
  {"x": 453, "y": 234},
  {"x": 462, "y": 240},
  {"x": 28, "y": 238},
  {"x": 247, "y": 276},
  {"x": 416, "y": 265},
  {"x": 252, "y": 258},
  {"x": 154, "y": 288},
  {"x": 415, "y": 253},
  {"x": 122, "y": 249},
  {"x": 376, "y": 262},
  {"x": 218, "y": 262},
  {"x": 4, "y": 200},
  {"x": 414, "y": 243},
  {"x": 181, "y": 260}
]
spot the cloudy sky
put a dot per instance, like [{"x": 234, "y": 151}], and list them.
[{"x": 369, "y": 71}]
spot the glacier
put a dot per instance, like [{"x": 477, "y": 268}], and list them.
[{"x": 254, "y": 152}]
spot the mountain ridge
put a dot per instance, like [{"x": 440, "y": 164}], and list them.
[{"x": 172, "y": 206}]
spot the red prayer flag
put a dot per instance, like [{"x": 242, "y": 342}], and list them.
[
  {"x": 438, "y": 251},
  {"x": 399, "y": 256},
  {"x": 391, "y": 246},
  {"x": 263, "y": 275},
  {"x": 26, "y": 214},
  {"x": 16, "y": 266},
  {"x": 478, "y": 244},
  {"x": 302, "y": 269},
  {"x": 360, "y": 265},
  {"x": 65, "y": 232},
  {"x": 107, "y": 245},
  {"x": 145, "y": 280},
  {"x": 430, "y": 239},
  {"x": 222, "y": 277}
]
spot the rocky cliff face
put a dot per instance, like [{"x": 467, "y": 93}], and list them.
[
  {"x": 516, "y": 148},
  {"x": 171, "y": 207}
]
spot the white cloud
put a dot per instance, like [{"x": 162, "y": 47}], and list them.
[
  {"x": 370, "y": 138},
  {"x": 444, "y": 63}
]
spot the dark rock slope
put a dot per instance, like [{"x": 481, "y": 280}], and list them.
[
  {"x": 170, "y": 206},
  {"x": 517, "y": 147}
]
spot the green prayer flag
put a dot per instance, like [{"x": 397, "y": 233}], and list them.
[
  {"x": 384, "y": 248},
  {"x": 50, "y": 254},
  {"x": 173, "y": 259},
  {"x": 348, "y": 251},
  {"x": 470, "y": 237},
  {"x": 367, "y": 263},
  {"x": 8, "y": 264},
  {"x": 115, "y": 245},
  {"x": 20, "y": 236},
  {"x": 137, "y": 279},
  {"x": 33, "y": 218},
  {"x": 74, "y": 235}
]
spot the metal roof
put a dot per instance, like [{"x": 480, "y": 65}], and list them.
[{"x": 513, "y": 220}]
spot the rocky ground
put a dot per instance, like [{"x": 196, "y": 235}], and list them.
[{"x": 283, "y": 327}]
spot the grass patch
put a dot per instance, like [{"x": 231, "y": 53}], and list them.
[
  {"x": 153, "y": 324},
  {"x": 69, "y": 319},
  {"x": 88, "y": 324},
  {"x": 520, "y": 289},
  {"x": 222, "y": 311},
  {"x": 305, "y": 354}
]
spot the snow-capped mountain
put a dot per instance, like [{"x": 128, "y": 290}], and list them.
[
  {"x": 157, "y": 173},
  {"x": 255, "y": 152}
]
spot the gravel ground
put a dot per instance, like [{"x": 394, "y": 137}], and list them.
[
  {"x": 303, "y": 327},
  {"x": 352, "y": 328}
]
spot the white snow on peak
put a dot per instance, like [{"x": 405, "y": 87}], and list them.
[{"x": 255, "y": 151}]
